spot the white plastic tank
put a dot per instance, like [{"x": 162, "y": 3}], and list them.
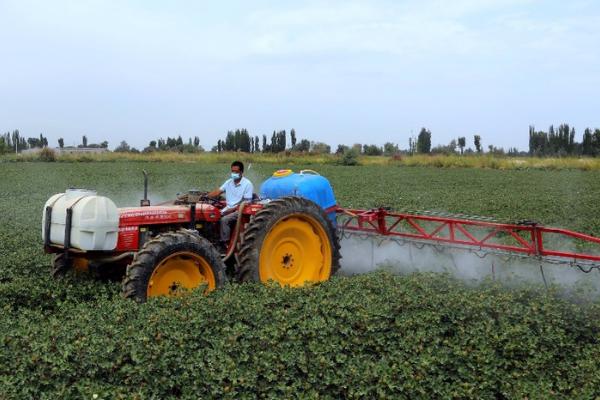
[{"x": 94, "y": 223}]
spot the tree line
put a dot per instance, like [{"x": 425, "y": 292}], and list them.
[
  {"x": 169, "y": 144},
  {"x": 14, "y": 142},
  {"x": 561, "y": 142},
  {"x": 241, "y": 140},
  {"x": 558, "y": 141}
]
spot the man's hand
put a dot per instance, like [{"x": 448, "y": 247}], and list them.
[{"x": 215, "y": 193}]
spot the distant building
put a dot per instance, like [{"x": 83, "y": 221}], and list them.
[
  {"x": 79, "y": 150},
  {"x": 68, "y": 150}
]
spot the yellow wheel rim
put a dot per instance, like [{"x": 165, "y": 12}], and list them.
[
  {"x": 295, "y": 251},
  {"x": 181, "y": 270}
]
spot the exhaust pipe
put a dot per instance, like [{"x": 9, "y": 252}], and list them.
[{"x": 145, "y": 202}]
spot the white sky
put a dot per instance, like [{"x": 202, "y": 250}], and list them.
[{"x": 336, "y": 71}]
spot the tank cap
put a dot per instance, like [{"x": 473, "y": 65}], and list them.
[
  {"x": 309, "y": 172},
  {"x": 282, "y": 172}
]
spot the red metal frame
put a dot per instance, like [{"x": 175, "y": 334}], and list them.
[{"x": 526, "y": 239}]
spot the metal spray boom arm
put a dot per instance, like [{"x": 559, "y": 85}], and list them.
[{"x": 528, "y": 239}]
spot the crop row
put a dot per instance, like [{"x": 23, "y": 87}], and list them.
[{"x": 377, "y": 335}]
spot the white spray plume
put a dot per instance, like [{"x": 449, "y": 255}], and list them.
[{"x": 361, "y": 254}]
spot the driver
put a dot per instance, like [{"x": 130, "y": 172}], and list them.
[{"x": 236, "y": 189}]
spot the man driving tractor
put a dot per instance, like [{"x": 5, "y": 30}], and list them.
[{"x": 236, "y": 189}]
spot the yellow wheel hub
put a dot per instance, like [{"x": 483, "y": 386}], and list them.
[
  {"x": 295, "y": 251},
  {"x": 181, "y": 270}
]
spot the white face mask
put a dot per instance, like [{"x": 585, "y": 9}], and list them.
[{"x": 235, "y": 176}]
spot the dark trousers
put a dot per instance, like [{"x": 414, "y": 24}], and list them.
[{"x": 226, "y": 222}]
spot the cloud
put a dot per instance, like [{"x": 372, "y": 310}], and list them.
[{"x": 431, "y": 29}]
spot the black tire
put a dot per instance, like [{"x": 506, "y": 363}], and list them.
[
  {"x": 272, "y": 213},
  {"x": 61, "y": 265},
  {"x": 138, "y": 273}
]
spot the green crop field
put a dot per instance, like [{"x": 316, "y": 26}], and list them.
[{"x": 371, "y": 336}]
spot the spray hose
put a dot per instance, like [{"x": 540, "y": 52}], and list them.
[{"x": 236, "y": 232}]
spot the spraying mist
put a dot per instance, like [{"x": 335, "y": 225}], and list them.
[{"x": 364, "y": 253}]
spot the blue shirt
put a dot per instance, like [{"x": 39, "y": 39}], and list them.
[{"x": 235, "y": 193}]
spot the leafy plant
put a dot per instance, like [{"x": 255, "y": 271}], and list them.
[
  {"x": 350, "y": 157},
  {"x": 371, "y": 336}
]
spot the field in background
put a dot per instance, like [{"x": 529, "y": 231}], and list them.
[
  {"x": 370, "y": 336},
  {"x": 565, "y": 198},
  {"x": 438, "y": 161}
]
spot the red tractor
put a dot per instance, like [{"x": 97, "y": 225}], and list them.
[
  {"x": 289, "y": 235},
  {"x": 161, "y": 249}
]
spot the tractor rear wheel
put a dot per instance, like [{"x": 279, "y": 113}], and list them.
[
  {"x": 290, "y": 241},
  {"x": 171, "y": 262}
]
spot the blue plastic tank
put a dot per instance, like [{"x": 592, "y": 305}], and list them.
[{"x": 307, "y": 184}]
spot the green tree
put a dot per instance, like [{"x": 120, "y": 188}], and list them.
[
  {"x": 389, "y": 149},
  {"x": 303, "y": 146},
  {"x": 587, "y": 145},
  {"x": 282, "y": 140},
  {"x": 61, "y": 142},
  {"x": 33, "y": 142},
  {"x": 244, "y": 144},
  {"x": 538, "y": 142},
  {"x": 462, "y": 142},
  {"x": 424, "y": 141},
  {"x": 342, "y": 149},
  {"x": 320, "y": 148},
  {"x": 293, "y": 137},
  {"x": 477, "y": 142},
  {"x": 84, "y": 141},
  {"x": 596, "y": 142},
  {"x": 229, "y": 144},
  {"x": 349, "y": 157},
  {"x": 372, "y": 150},
  {"x": 123, "y": 147}
]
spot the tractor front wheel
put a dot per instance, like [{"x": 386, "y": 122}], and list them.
[
  {"x": 171, "y": 262},
  {"x": 62, "y": 265},
  {"x": 290, "y": 241}
]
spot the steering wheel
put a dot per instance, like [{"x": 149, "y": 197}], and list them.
[{"x": 213, "y": 201}]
